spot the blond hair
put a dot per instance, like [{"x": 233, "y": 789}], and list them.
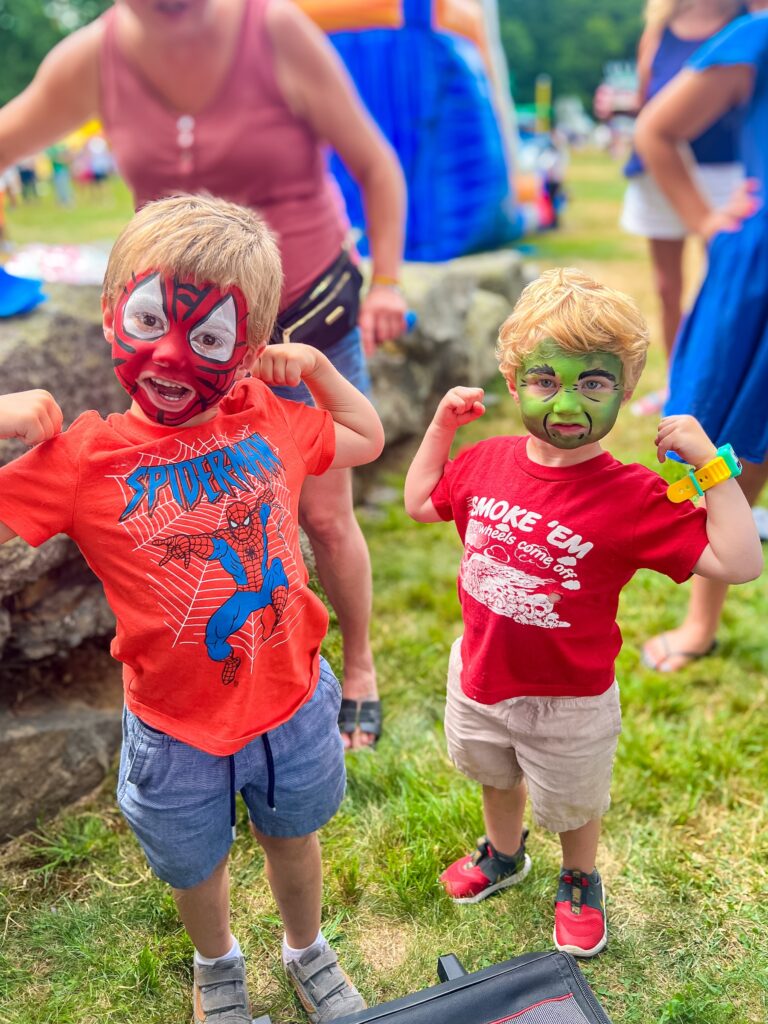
[
  {"x": 579, "y": 315},
  {"x": 206, "y": 241},
  {"x": 659, "y": 13}
]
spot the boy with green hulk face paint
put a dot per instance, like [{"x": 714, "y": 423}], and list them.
[
  {"x": 553, "y": 527},
  {"x": 569, "y": 400}
]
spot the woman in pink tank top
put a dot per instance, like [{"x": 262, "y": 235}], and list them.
[{"x": 238, "y": 98}]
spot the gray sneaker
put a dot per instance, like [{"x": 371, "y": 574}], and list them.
[
  {"x": 326, "y": 993},
  {"x": 220, "y": 994}
]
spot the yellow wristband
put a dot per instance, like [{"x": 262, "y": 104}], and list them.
[
  {"x": 724, "y": 466},
  {"x": 384, "y": 281}
]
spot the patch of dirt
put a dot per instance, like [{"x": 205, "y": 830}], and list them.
[
  {"x": 383, "y": 945},
  {"x": 86, "y": 675}
]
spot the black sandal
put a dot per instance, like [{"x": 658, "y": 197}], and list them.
[{"x": 364, "y": 715}]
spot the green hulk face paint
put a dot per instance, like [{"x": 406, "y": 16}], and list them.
[{"x": 568, "y": 400}]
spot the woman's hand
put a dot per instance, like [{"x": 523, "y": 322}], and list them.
[
  {"x": 382, "y": 316},
  {"x": 32, "y": 416},
  {"x": 742, "y": 204}
]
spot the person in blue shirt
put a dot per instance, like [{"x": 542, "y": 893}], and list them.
[
  {"x": 674, "y": 30},
  {"x": 719, "y": 371}
]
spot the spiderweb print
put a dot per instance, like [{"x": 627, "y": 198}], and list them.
[{"x": 189, "y": 595}]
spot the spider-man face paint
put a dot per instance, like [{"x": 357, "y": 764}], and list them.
[{"x": 177, "y": 346}]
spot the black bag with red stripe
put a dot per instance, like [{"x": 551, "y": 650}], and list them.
[{"x": 536, "y": 988}]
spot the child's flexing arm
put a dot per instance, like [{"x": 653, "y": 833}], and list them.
[
  {"x": 733, "y": 554},
  {"x": 359, "y": 433},
  {"x": 461, "y": 405},
  {"x": 32, "y": 416}
]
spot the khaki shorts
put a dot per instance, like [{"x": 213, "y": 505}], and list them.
[{"x": 563, "y": 747}]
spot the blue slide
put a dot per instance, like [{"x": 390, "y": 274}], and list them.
[{"x": 430, "y": 94}]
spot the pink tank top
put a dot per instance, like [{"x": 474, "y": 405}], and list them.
[{"x": 246, "y": 146}]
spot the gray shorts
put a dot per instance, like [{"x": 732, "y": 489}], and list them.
[
  {"x": 178, "y": 799},
  {"x": 563, "y": 747}
]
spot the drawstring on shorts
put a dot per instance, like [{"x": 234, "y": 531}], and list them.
[
  {"x": 270, "y": 784},
  {"x": 270, "y": 772},
  {"x": 232, "y": 796}
]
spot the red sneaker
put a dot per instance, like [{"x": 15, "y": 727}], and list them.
[
  {"x": 482, "y": 873},
  {"x": 580, "y": 926}
]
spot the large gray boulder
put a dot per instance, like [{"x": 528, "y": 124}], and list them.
[
  {"x": 460, "y": 306},
  {"x": 50, "y": 759}
]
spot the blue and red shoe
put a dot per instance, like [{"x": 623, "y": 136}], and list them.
[
  {"x": 484, "y": 872},
  {"x": 580, "y": 925}
]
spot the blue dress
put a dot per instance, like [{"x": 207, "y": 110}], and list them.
[
  {"x": 719, "y": 371},
  {"x": 718, "y": 144}
]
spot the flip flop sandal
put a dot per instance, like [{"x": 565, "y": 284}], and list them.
[
  {"x": 668, "y": 653},
  {"x": 364, "y": 715},
  {"x": 369, "y": 720},
  {"x": 347, "y": 716}
]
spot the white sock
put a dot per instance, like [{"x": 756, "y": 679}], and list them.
[
  {"x": 289, "y": 953},
  {"x": 204, "y": 961}
]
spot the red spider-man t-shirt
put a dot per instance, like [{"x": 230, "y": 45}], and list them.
[{"x": 193, "y": 532}]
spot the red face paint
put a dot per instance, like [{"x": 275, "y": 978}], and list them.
[{"x": 177, "y": 345}]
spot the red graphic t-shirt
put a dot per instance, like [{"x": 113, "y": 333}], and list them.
[
  {"x": 547, "y": 551},
  {"x": 193, "y": 533}
]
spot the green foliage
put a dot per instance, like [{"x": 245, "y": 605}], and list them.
[
  {"x": 29, "y": 29},
  {"x": 570, "y": 40}
]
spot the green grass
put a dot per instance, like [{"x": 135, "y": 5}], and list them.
[
  {"x": 96, "y": 216},
  {"x": 89, "y": 936}
]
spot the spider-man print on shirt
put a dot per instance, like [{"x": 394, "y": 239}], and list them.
[
  {"x": 260, "y": 585},
  {"x": 177, "y": 345},
  {"x": 216, "y": 516}
]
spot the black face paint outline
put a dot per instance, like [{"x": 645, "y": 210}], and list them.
[
  {"x": 586, "y": 434},
  {"x": 549, "y": 372},
  {"x": 201, "y": 323},
  {"x": 186, "y": 298},
  {"x": 138, "y": 289}
]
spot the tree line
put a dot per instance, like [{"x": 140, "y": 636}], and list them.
[{"x": 568, "y": 39}]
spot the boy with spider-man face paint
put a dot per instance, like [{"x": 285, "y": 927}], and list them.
[
  {"x": 186, "y": 507},
  {"x": 553, "y": 527}
]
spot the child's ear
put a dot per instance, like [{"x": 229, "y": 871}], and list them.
[
  {"x": 512, "y": 388},
  {"x": 626, "y": 396},
  {"x": 107, "y": 321}
]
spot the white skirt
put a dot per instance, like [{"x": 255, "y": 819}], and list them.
[{"x": 648, "y": 212}]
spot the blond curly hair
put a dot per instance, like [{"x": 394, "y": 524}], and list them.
[{"x": 579, "y": 315}]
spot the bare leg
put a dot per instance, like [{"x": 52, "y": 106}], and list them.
[
  {"x": 204, "y": 910},
  {"x": 344, "y": 569},
  {"x": 667, "y": 264},
  {"x": 580, "y": 847},
  {"x": 697, "y": 631},
  {"x": 503, "y": 811},
  {"x": 295, "y": 875}
]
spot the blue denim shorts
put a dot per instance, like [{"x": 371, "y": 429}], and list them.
[
  {"x": 179, "y": 800},
  {"x": 349, "y": 359}
]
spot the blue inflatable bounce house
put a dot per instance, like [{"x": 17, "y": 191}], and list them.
[{"x": 424, "y": 71}]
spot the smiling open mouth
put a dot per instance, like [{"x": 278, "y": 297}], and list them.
[{"x": 167, "y": 390}]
